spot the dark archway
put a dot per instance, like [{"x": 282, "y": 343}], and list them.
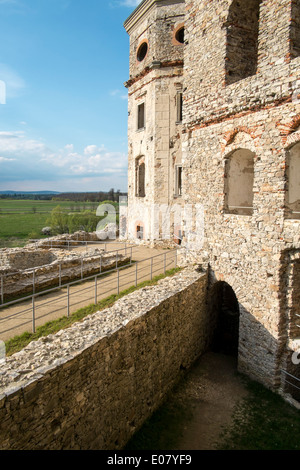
[{"x": 224, "y": 308}]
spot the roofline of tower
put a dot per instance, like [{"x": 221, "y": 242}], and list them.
[{"x": 143, "y": 8}]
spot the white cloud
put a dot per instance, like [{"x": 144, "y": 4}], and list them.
[
  {"x": 16, "y": 143},
  {"x": 130, "y": 3},
  {"x": 14, "y": 83},
  {"x": 119, "y": 94},
  {"x": 3, "y": 159},
  {"x": 31, "y": 159}
]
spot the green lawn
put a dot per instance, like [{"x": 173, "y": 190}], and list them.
[{"x": 24, "y": 219}]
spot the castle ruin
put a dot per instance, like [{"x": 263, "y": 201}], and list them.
[{"x": 214, "y": 126}]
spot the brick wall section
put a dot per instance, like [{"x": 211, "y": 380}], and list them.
[{"x": 92, "y": 385}]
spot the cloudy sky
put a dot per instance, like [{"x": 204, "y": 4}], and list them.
[{"x": 63, "y": 105}]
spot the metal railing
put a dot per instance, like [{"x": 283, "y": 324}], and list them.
[
  {"x": 291, "y": 377},
  {"x": 32, "y": 273},
  {"x": 90, "y": 288}
]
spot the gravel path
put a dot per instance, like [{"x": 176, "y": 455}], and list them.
[{"x": 18, "y": 318}]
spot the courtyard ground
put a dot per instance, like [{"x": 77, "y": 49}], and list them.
[{"x": 216, "y": 408}]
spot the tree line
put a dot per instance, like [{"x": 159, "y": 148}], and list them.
[{"x": 111, "y": 195}]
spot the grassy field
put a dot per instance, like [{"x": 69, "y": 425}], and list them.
[{"x": 24, "y": 219}]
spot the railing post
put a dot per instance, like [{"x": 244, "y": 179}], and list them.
[
  {"x": 2, "y": 289},
  {"x": 96, "y": 293},
  {"x": 59, "y": 266},
  {"x": 68, "y": 300},
  {"x": 131, "y": 255},
  {"x": 100, "y": 264},
  {"x": 33, "y": 282},
  {"x": 136, "y": 273},
  {"x": 33, "y": 314},
  {"x": 117, "y": 260},
  {"x": 81, "y": 268},
  {"x": 118, "y": 281}
]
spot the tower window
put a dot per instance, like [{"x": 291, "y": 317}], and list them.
[
  {"x": 179, "y": 36},
  {"x": 178, "y": 180},
  {"x": 140, "y": 173},
  {"x": 142, "y": 51},
  {"x": 141, "y": 116}
]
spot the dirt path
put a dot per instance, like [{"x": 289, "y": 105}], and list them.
[
  {"x": 214, "y": 388},
  {"x": 18, "y": 318},
  {"x": 196, "y": 410}
]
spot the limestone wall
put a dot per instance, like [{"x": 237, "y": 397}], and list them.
[{"x": 93, "y": 385}]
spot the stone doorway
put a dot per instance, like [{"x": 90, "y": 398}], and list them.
[{"x": 225, "y": 311}]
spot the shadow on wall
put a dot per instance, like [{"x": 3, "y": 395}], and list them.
[
  {"x": 290, "y": 321},
  {"x": 237, "y": 332}
]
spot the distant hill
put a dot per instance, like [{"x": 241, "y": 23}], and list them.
[{"x": 28, "y": 192}]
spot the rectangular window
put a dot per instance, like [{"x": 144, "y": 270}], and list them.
[
  {"x": 141, "y": 116},
  {"x": 179, "y": 107},
  {"x": 178, "y": 180},
  {"x": 140, "y": 173}
]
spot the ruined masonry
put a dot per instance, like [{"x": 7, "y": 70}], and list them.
[{"x": 214, "y": 125}]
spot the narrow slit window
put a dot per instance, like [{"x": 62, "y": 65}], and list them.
[
  {"x": 178, "y": 180},
  {"x": 140, "y": 177},
  {"x": 179, "y": 107},
  {"x": 141, "y": 116}
]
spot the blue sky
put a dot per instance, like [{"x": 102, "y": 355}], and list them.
[{"x": 63, "y": 125}]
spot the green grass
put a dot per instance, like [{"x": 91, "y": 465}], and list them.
[
  {"x": 17, "y": 343},
  {"x": 21, "y": 220},
  {"x": 262, "y": 421}
]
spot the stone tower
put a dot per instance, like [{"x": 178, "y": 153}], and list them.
[
  {"x": 239, "y": 149},
  {"x": 155, "y": 90}
]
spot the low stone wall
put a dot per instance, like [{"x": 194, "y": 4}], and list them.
[
  {"x": 94, "y": 384},
  {"x": 67, "y": 239},
  {"x": 66, "y": 267}
]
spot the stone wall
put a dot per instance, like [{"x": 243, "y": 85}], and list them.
[
  {"x": 23, "y": 270},
  {"x": 241, "y": 111},
  {"x": 93, "y": 385}
]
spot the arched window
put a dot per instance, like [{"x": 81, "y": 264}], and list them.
[
  {"x": 239, "y": 179},
  {"x": 242, "y": 40},
  {"x": 293, "y": 182},
  {"x": 295, "y": 29},
  {"x": 140, "y": 173}
]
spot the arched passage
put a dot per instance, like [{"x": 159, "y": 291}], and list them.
[{"x": 225, "y": 312}]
